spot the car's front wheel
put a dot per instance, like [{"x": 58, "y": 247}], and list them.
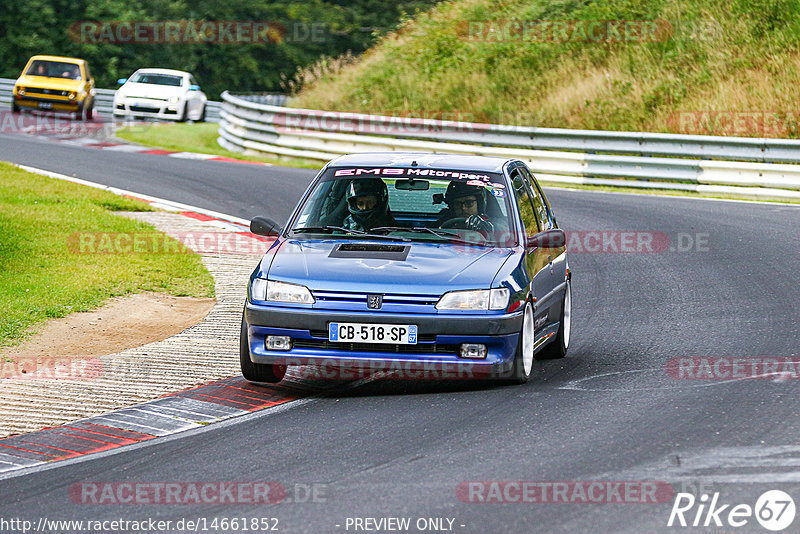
[
  {"x": 14, "y": 108},
  {"x": 523, "y": 358},
  {"x": 559, "y": 346},
  {"x": 256, "y": 372},
  {"x": 202, "y": 117}
]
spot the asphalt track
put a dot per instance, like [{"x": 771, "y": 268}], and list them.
[{"x": 610, "y": 411}]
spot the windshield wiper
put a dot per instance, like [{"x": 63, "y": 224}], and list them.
[
  {"x": 422, "y": 229},
  {"x": 347, "y": 231},
  {"x": 327, "y": 229}
]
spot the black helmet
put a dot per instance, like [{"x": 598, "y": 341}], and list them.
[
  {"x": 361, "y": 187},
  {"x": 457, "y": 190}
]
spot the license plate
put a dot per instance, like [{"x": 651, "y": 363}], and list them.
[
  {"x": 45, "y": 105},
  {"x": 373, "y": 333}
]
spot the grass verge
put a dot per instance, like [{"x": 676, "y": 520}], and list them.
[
  {"x": 721, "y": 67},
  {"x": 194, "y": 137},
  {"x": 43, "y": 276}
]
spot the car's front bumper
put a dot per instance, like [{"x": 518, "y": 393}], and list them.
[
  {"x": 46, "y": 104},
  {"x": 157, "y": 109},
  {"x": 438, "y": 346}
]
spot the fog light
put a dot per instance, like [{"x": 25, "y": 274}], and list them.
[
  {"x": 474, "y": 351},
  {"x": 279, "y": 343}
]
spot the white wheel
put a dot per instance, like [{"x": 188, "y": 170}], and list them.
[
  {"x": 527, "y": 340},
  {"x": 523, "y": 357},
  {"x": 567, "y": 316}
]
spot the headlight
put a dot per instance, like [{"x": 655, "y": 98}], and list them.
[
  {"x": 173, "y": 99},
  {"x": 21, "y": 91},
  {"x": 72, "y": 95},
  {"x": 479, "y": 299},
  {"x": 272, "y": 291}
]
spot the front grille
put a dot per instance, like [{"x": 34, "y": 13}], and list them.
[
  {"x": 420, "y": 348},
  {"x": 145, "y": 109},
  {"x": 388, "y": 298},
  {"x": 146, "y": 97},
  {"x": 46, "y": 91}
]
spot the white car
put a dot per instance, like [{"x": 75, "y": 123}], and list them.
[{"x": 162, "y": 94}]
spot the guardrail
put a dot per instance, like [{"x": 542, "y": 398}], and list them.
[
  {"x": 754, "y": 167},
  {"x": 103, "y": 100}
]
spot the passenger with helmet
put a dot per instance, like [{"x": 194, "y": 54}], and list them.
[
  {"x": 466, "y": 208},
  {"x": 368, "y": 204}
]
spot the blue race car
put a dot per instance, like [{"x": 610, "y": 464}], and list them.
[{"x": 431, "y": 265}]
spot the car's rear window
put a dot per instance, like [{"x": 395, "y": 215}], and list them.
[
  {"x": 417, "y": 198},
  {"x": 157, "y": 79},
  {"x": 54, "y": 69}
]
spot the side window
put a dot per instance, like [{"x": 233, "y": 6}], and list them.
[
  {"x": 539, "y": 205},
  {"x": 524, "y": 202},
  {"x": 88, "y": 74},
  {"x": 191, "y": 80}
]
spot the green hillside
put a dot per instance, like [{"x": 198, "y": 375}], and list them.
[{"x": 729, "y": 67}]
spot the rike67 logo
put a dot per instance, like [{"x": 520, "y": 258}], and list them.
[{"x": 774, "y": 510}]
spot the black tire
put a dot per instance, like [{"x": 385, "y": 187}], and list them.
[
  {"x": 558, "y": 347},
  {"x": 256, "y": 372},
  {"x": 202, "y": 115},
  {"x": 518, "y": 374},
  {"x": 89, "y": 112},
  {"x": 14, "y": 108}
]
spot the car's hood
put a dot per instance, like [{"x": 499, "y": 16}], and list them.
[
  {"x": 46, "y": 82},
  {"x": 149, "y": 90},
  {"x": 428, "y": 269}
]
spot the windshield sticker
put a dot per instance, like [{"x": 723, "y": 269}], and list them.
[
  {"x": 457, "y": 175},
  {"x": 498, "y": 186},
  {"x": 498, "y": 193},
  {"x": 479, "y": 183}
]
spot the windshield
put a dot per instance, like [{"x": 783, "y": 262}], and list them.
[
  {"x": 157, "y": 79},
  {"x": 55, "y": 69},
  {"x": 436, "y": 205}
]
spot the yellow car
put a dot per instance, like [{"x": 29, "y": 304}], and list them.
[{"x": 54, "y": 83}]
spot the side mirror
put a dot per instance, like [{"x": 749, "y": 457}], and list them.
[
  {"x": 264, "y": 226},
  {"x": 122, "y": 81},
  {"x": 548, "y": 239},
  {"x": 194, "y": 87}
]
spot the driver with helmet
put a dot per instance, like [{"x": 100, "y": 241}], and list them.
[
  {"x": 368, "y": 204},
  {"x": 467, "y": 202}
]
